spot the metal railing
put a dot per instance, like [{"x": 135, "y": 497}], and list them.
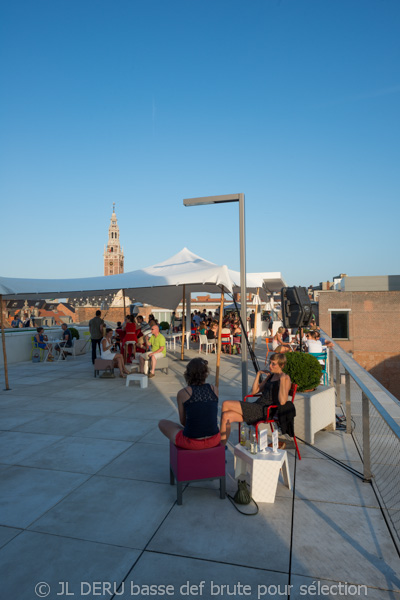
[{"x": 368, "y": 408}]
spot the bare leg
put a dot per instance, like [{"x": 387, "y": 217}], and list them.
[
  {"x": 153, "y": 363},
  {"x": 231, "y": 413},
  {"x": 141, "y": 363},
  {"x": 169, "y": 429}
]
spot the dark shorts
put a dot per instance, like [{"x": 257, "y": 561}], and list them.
[{"x": 254, "y": 412}]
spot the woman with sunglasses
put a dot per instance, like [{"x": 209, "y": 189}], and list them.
[
  {"x": 198, "y": 409},
  {"x": 274, "y": 390}
]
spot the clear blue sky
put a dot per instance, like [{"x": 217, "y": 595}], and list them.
[{"x": 293, "y": 103}]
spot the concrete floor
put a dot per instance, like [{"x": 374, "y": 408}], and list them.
[{"x": 85, "y": 502}]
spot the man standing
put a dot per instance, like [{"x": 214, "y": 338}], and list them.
[
  {"x": 96, "y": 332},
  {"x": 252, "y": 318},
  {"x": 158, "y": 350}
]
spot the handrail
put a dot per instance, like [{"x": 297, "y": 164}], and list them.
[{"x": 374, "y": 391}]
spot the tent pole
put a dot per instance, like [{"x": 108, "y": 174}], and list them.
[
  {"x": 221, "y": 312},
  {"x": 183, "y": 326},
  {"x": 123, "y": 295},
  {"x": 3, "y": 339},
  {"x": 255, "y": 324}
]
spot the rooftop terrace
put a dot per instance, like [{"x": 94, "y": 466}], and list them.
[{"x": 85, "y": 498}]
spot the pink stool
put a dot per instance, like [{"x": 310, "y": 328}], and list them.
[{"x": 196, "y": 465}]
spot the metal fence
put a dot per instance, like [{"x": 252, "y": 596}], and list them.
[{"x": 370, "y": 412}]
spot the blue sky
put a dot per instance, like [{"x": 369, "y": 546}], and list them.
[{"x": 143, "y": 103}]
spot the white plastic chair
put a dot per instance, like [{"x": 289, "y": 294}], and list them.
[{"x": 203, "y": 341}]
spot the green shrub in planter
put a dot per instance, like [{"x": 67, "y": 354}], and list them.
[
  {"x": 74, "y": 332},
  {"x": 164, "y": 325},
  {"x": 304, "y": 370}
]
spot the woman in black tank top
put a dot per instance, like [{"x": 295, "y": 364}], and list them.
[
  {"x": 198, "y": 409},
  {"x": 274, "y": 390}
]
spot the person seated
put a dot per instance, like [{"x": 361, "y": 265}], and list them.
[
  {"x": 40, "y": 342},
  {"x": 277, "y": 340},
  {"x": 67, "y": 340},
  {"x": 198, "y": 410},
  {"x": 158, "y": 350},
  {"x": 283, "y": 349},
  {"x": 106, "y": 352},
  {"x": 274, "y": 391},
  {"x": 312, "y": 344},
  {"x": 324, "y": 342},
  {"x": 203, "y": 328},
  {"x": 212, "y": 333}
]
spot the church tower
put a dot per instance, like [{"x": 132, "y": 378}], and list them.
[{"x": 113, "y": 253}]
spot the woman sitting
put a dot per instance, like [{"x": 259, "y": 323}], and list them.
[
  {"x": 130, "y": 336},
  {"x": 40, "y": 342},
  {"x": 105, "y": 352},
  {"x": 277, "y": 340},
  {"x": 198, "y": 408},
  {"x": 274, "y": 390}
]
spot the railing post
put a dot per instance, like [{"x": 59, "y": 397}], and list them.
[
  {"x": 348, "y": 402},
  {"x": 331, "y": 362},
  {"x": 366, "y": 439},
  {"x": 337, "y": 382}
]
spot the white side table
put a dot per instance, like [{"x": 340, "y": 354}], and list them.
[
  {"x": 261, "y": 471},
  {"x": 143, "y": 379}
]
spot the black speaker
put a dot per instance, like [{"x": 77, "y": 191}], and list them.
[{"x": 296, "y": 307}]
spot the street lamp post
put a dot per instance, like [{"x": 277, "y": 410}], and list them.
[{"x": 243, "y": 300}]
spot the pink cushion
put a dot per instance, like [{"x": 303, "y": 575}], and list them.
[{"x": 191, "y": 465}]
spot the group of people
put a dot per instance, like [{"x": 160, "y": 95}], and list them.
[
  {"x": 41, "y": 341},
  {"x": 198, "y": 406},
  {"x": 150, "y": 344}
]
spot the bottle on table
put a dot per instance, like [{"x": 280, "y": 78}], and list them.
[{"x": 253, "y": 445}]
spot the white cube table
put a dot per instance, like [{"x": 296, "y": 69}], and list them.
[
  {"x": 261, "y": 471},
  {"x": 143, "y": 379}
]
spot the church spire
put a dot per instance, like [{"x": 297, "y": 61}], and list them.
[{"x": 113, "y": 253}]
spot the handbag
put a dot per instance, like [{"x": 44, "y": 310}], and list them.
[
  {"x": 243, "y": 496},
  {"x": 36, "y": 356}
]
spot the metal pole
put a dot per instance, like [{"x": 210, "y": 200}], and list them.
[
  {"x": 123, "y": 295},
  {"x": 183, "y": 326},
  {"x": 221, "y": 312},
  {"x": 243, "y": 299},
  {"x": 3, "y": 339},
  {"x": 255, "y": 323},
  {"x": 348, "y": 402},
  {"x": 366, "y": 440},
  {"x": 337, "y": 382}
]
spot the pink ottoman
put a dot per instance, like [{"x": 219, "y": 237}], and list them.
[{"x": 196, "y": 465}]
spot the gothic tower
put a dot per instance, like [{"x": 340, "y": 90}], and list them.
[{"x": 113, "y": 253}]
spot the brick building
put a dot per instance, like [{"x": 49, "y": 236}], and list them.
[{"x": 367, "y": 324}]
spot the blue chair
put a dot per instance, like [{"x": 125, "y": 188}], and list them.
[{"x": 322, "y": 356}]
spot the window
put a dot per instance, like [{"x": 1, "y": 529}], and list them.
[{"x": 340, "y": 324}]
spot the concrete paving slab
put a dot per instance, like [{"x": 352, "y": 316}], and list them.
[
  {"x": 117, "y": 428},
  {"x": 147, "y": 411},
  {"x": 51, "y": 559},
  {"x": 7, "y": 534},
  {"x": 184, "y": 574},
  {"x": 154, "y": 436},
  {"x": 16, "y": 446},
  {"x": 58, "y": 423},
  {"x": 219, "y": 521},
  {"x": 111, "y": 511},
  {"x": 349, "y": 541},
  {"x": 90, "y": 406},
  {"x": 336, "y": 443},
  {"x": 78, "y": 455},
  {"x": 306, "y": 587},
  {"x": 145, "y": 462},
  {"x": 26, "y": 494},
  {"x": 323, "y": 480},
  {"x": 12, "y": 417}
]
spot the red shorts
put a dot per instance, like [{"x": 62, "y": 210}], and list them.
[{"x": 192, "y": 444}]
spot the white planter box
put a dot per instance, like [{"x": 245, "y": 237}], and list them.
[{"x": 314, "y": 411}]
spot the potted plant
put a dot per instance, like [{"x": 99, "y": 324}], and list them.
[
  {"x": 74, "y": 332},
  {"x": 303, "y": 369},
  {"x": 164, "y": 325}
]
